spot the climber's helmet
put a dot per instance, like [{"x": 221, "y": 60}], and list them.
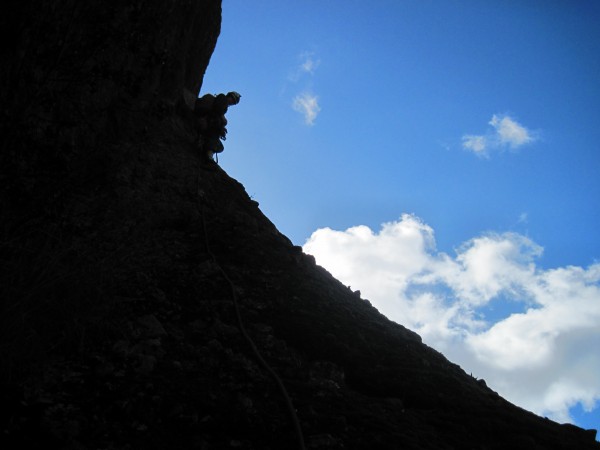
[{"x": 233, "y": 97}]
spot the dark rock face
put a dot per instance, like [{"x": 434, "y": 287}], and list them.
[
  {"x": 130, "y": 267},
  {"x": 79, "y": 79}
]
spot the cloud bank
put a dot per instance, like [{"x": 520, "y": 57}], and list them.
[
  {"x": 506, "y": 133},
  {"x": 532, "y": 333}
]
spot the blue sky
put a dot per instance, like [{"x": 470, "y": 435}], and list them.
[{"x": 449, "y": 150}]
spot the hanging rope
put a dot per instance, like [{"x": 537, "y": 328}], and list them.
[{"x": 242, "y": 328}]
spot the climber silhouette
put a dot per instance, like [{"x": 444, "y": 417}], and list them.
[{"x": 210, "y": 110}]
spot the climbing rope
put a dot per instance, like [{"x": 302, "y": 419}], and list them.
[{"x": 242, "y": 328}]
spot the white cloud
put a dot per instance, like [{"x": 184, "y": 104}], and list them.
[
  {"x": 307, "y": 65},
  {"x": 510, "y": 132},
  {"x": 542, "y": 355},
  {"x": 307, "y": 104},
  {"x": 506, "y": 133},
  {"x": 475, "y": 143}
]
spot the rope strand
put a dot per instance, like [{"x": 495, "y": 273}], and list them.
[{"x": 242, "y": 328}]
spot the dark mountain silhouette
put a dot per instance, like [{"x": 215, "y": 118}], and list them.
[{"x": 138, "y": 278}]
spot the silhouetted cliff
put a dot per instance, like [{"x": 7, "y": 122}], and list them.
[{"x": 138, "y": 278}]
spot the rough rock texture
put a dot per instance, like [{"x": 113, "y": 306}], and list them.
[{"x": 134, "y": 272}]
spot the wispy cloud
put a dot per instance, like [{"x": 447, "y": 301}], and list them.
[
  {"x": 307, "y": 104},
  {"x": 541, "y": 355},
  {"x": 308, "y": 63},
  {"x": 510, "y": 132},
  {"x": 506, "y": 133},
  {"x": 523, "y": 218},
  {"x": 477, "y": 144}
]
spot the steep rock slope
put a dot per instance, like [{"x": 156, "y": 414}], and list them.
[{"x": 138, "y": 278}]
